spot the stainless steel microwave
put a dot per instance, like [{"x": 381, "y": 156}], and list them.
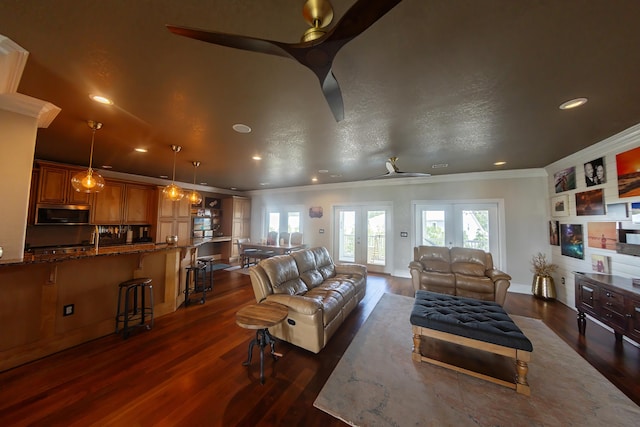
[{"x": 62, "y": 214}]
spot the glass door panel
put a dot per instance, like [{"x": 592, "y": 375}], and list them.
[{"x": 361, "y": 236}]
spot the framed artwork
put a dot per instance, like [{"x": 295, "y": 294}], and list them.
[
  {"x": 601, "y": 264},
  {"x": 602, "y": 235},
  {"x": 560, "y": 206},
  {"x": 554, "y": 233},
  {"x": 315, "y": 212},
  {"x": 590, "y": 202},
  {"x": 594, "y": 173},
  {"x": 618, "y": 211},
  {"x": 212, "y": 203},
  {"x": 571, "y": 240},
  {"x": 628, "y": 165},
  {"x": 565, "y": 179}
]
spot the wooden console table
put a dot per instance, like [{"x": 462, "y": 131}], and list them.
[{"x": 612, "y": 300}]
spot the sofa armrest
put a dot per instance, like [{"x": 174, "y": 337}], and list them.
[
  {"x": 496, "y": 275},
  {"x": 297, "y": 303},
  {"x": 351, "y": 269},
  {"x": 417, "y": 265}
]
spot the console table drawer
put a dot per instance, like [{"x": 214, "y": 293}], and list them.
[{"x": 612, "y": 301}]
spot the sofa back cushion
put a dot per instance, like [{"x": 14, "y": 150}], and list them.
[
  {"x": 282, "y": 272},
  {"x": 324, "y": 263},
  {"x": 433, "y": 258},
  {"x": 470, "y": 262},
  {"x": 306, "y": 262}
]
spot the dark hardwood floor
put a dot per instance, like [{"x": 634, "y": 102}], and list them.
[{"x": 188, "y": 370}]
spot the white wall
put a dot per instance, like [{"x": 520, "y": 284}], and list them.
[
  {"x": 523, "y": 193},
  {"x": 621, "y": 265}
]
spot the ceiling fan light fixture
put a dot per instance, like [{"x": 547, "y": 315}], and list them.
[
  {"x": 573, "y": 103},
  {"x": 194, "y": 197},
  {"x": 172, "y": 191},
  {"x": 89, "y": 181}
]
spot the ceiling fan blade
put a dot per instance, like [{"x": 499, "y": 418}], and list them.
[
  {"x": 331, "y": 91},
  {"x": 362, "y": 15},
  {"x": 235, "y": 41}
]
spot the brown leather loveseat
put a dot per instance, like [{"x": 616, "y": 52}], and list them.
[
  {"x": 458, "y": 271},
  {"x": 318, "y": 294}
]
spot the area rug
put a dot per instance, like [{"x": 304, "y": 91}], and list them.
[{"x": 376, "y": 383}]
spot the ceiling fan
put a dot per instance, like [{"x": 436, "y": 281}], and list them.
[
  {"x": 317, "y": 48},
  {"x": 394, "y": 172}
]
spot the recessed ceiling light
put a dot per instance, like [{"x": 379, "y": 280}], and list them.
[
  {"x": 335, "y": 175},
  {"x": 256, "y": 157},
  {"x": 499, "y": 163},
  {"x": 233, "y": 188},
  {"x": 440, "y": 165},
  {"x": 107, "y": 167},
  {"x": 314, "y": 179},
  {"x": 203, "y": 183},
  {"x": 101, "y": 99},
  {"x": 240, "y": 128},
  {"x": 140, "y": 150},
  {"x": 573, "y": 103},
  {"x": 323, "y": 171},
  {"x": 164, "y": 176},
  {"x": 264, "y": 183}
]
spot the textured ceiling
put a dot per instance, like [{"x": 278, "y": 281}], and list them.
[{"x": 461, "y": 82}]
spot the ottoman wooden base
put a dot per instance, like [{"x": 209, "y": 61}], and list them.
[{"x": 440, "y": 355}]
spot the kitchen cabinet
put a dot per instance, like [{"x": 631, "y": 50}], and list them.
[
  {"x": 108, "y": 204},
  {"x": 123, "y": 203},
  {"x": 236, "y": 221},
  {"x": 174, "y": 219},
  {"x": 612, "y": 300},
  {"x": 139, "y": 204},
  {"x": 54, "y": 186}
]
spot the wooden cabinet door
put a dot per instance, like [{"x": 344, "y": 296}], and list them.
[
  {"x": 53, "y": 185},
  {"x": 165, "y": 228},
  {"x": 183, "y": 230},
  {"x": 183, "y": 208},
  {"x": 138, "y": 203},
  {"x": 165, "y": 206},
  {"x": 108, "y": 204}
]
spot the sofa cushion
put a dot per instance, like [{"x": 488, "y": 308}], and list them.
[
  {"x": 324, "y": 263},
  {"x": 332, "y": 302},
  {"x": 282, "y": 272},
  {"x": 434, "y": 258},
  {"x": 468, "y": 261},
  {"x": 306, "y": 262}
]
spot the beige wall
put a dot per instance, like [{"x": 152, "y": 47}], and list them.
[
  {"x": 17, "y": 141},
  {"x": 522, "y": 193}
]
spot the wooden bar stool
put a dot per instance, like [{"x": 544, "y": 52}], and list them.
[{"x": 132, "y": 306}]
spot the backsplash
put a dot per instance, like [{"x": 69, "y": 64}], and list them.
[{"x": 53, "y": 235}]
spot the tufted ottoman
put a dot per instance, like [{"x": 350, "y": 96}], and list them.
[{"x": 462, "y": 326}]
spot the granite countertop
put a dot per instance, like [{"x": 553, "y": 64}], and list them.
[{"x": 111, "y": 250}]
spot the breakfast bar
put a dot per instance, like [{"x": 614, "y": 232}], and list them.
[{"x": 56, "y": 301}]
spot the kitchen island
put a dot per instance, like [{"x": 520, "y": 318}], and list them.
[{"x": 36, "y": 293}]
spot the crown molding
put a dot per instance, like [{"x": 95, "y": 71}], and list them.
[
  {"x": 44, "y": 111},
  {"x": 13, "y": 58}
]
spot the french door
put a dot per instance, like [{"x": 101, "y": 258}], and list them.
[
  {"x": 360, "y": 235},
  {"x": 467, "y": 225}
]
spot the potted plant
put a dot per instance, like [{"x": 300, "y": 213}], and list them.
[{"x": 543, "y": 285}]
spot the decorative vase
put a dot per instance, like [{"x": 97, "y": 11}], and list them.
[{"x": 543, "y": 287}]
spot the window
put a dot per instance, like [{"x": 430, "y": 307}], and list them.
[{"x": 287, "y": 218}]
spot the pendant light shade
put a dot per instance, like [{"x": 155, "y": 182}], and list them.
[
  {"x": 172, "y": 191},
  {"x": 89, "y": 181},
  {"x": 194, "y": 197}
]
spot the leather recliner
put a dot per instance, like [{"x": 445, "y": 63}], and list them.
[{"x": 458, "y": 271}]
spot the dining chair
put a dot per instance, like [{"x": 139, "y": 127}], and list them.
[
  {"x": 272, "y": 238},
  {"x": 284, "y": 238},
  {"x": 296, "y": 238},
  {"x": 246, "y": 254}
]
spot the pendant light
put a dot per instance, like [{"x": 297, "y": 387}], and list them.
[
  {"x": 194, "y": 197},
  {"x": 89, "y": 181},
  {"x": 172, "y": 191}
]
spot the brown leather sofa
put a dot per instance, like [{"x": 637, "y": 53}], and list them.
[
  {"x": 318, "y": 293},
  {"x": 458, "y": 271}
]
